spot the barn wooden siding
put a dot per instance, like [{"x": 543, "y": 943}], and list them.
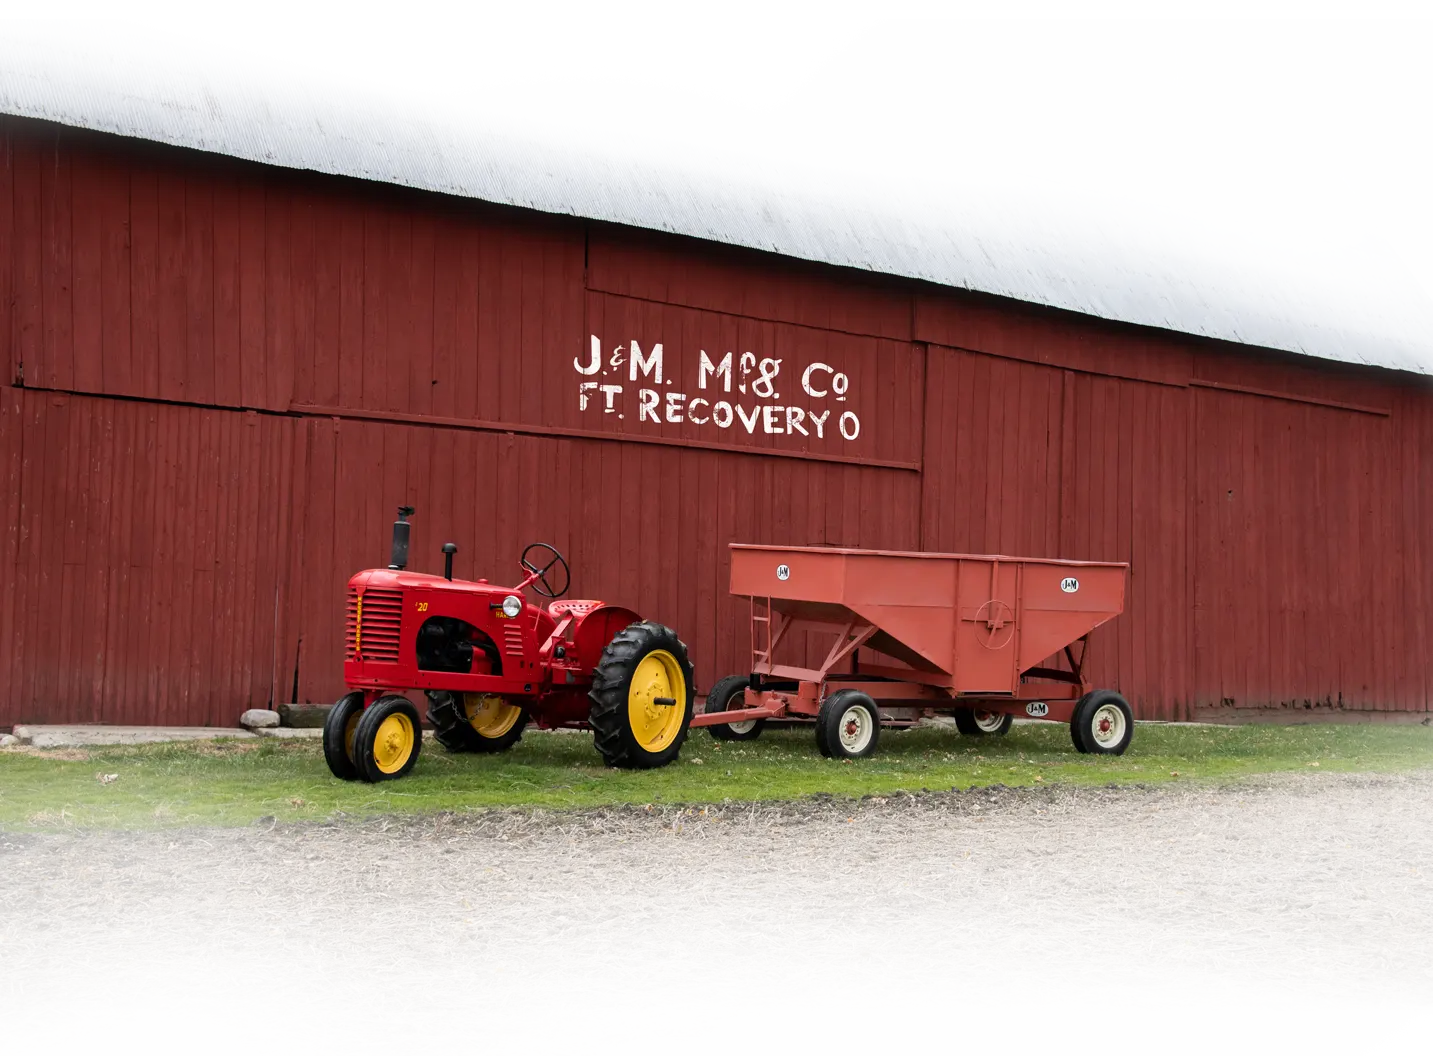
[{"x": 223, "y": 378}]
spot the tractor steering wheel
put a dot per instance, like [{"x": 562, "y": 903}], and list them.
[{"x": 542, "y": 584}]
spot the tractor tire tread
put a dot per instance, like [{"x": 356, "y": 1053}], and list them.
[
  {"x": 335, "y": 728},
  {"x": 610, "y": 733},
  {"x": 452, "y": 730},
  {"x": 368, "y": 724}
]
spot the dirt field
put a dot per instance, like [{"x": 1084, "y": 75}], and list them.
[{"x": 1296, "y": 910}]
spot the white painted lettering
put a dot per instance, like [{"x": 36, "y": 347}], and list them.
[
  {"x": 855, "y": 423},
  {"x": 720, "y": 411},
  {"x": 692, "y": 412},
  {"x": 768, "y": 418},
  {"x": 819, "y": 420},
  {"x": 722, "y": 370},
  {"x": 748, "y": 364},
  {"x": 839, "y": 384},
  {"x": 750, "y": 423},
  {"x": 647, "y": 400},
  {"x": 806, "y": 378},
  {"x": 794, "y": 418},
  {"x": 596, "y": 364},
  {"x": 610, "y": 391},
  {"x": 650, "y": 365},
  {"x": 674, "y": 406},
  {"x": 582, "y": 390},
  {"x": 765, "y": 386}
]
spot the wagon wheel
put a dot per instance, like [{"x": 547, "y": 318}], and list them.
[
  {"x": 977, "y": 722},
  {"x": 721, "y": 697},
  {"x": 1102, "y": 724},
  {"x": 848, "y": 726}
]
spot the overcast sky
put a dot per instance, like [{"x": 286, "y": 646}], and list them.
[{"x": 1357, "y": 95}]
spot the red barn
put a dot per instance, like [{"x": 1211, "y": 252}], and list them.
[{"x": 233, "y": 343}]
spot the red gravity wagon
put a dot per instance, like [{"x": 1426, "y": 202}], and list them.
[{"x": 979, "y": 637}]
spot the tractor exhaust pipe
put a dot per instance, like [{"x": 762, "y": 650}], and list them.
[
  {"x": 398, "y": 556},
  {"x": 449, "y": 549}
]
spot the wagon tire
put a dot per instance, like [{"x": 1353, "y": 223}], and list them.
[
  {"x": 338, "y": 728},
  {"x": 455, "y": 730},
  {"x": 719, "y": 699},
  {"x": 842, "y": 732},
  {"x": 387, "y": 740},
  {"x": 642, "y": 664},
  {"x": 1102, "y": 723},
  {"x": 973, "y": 723}
]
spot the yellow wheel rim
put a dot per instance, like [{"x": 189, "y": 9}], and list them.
[
  {"x": 490, "y": 714},
  {"x": 348, "y": 730},
  {"x": 655, "y": 726},
  {"x": 393, "y": 744}
]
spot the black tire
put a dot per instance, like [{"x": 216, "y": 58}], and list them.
[
  {"x": 1085, "y": 724},
  {"x": 454, "y": 732},
  {"x": 612, "y": 697},
  {"x": 719, "y": 699},
  {"x": 338, "y": 729},
  {"x": 831, "y": 718},
  {"x": 372, "y": 758},
  {"x": 967, "y": 722}
]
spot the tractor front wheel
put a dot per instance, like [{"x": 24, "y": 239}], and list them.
[
  {"x": 387, "y": 739},
  {"x": 642, "y": 697},
  {"x": 338, "y": 729},
  {"x": 475, "y": 722},
  {"x": 723, "y": 695}
]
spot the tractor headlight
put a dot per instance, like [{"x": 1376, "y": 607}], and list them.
[{"x": 512, "y": 606}]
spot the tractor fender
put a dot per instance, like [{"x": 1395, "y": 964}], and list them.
[{"x": 595, "y": 623}]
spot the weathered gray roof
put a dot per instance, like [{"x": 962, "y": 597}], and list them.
[{"x": 916, "y": 148}]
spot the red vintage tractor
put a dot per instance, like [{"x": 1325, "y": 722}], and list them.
[{"x": 489, "y": 661}]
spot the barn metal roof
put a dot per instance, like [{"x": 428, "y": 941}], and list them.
[{"x": 913, "y": 148}]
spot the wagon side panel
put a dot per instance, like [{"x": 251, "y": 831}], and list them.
[{"x": 1063, "y": 603}]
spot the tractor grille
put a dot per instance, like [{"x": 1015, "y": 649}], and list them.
[
  {"x": 375, "y": 639},
  {"x": 512, "y": 640}
]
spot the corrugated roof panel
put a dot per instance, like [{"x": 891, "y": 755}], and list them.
[{"x": 914, "y": 148}]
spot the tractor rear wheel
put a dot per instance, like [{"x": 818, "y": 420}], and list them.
[
  {"x": 848, "y": 726},
  {"x": 973, "y": 722},
  {"x": 475, "y": 722},
  {"x": 722, "y": 697},
  {"x": 338, "y": 730},
  {"x": 387, "y": 739},
  {"x": 642, "y": 697}
]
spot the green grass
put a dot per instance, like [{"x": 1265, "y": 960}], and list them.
[{"x": 238, "y": 782}]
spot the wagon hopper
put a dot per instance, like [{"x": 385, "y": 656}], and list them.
[{"x": 981, "y": 637}]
